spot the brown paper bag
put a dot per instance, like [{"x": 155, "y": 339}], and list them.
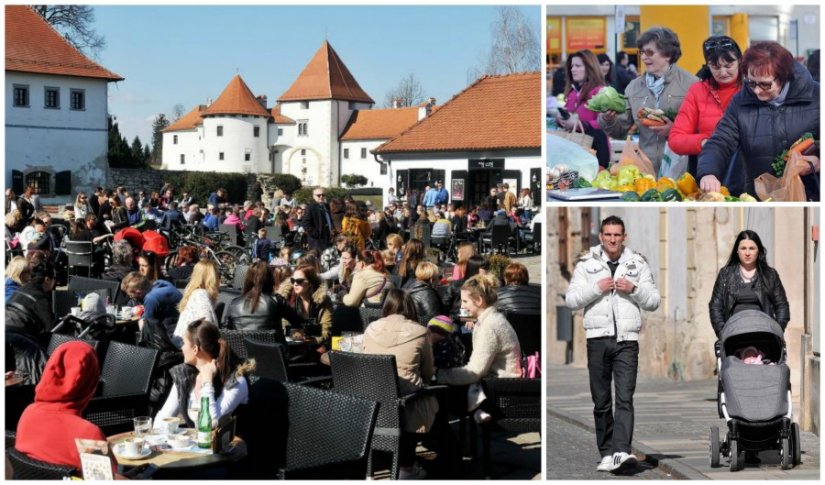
[
  {"x": 577, "y": 136},
  {"x": 787, "y": 189},
  {"x": 633, "y": 155}
]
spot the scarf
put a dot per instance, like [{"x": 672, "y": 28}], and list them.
[
  {"x": 780, "y": 100},
  {"x": 656, "y": 85}
]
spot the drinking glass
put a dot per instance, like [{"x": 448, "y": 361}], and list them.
[{"x": 143, "y": 425}]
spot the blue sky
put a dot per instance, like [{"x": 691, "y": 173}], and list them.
[{"x": 185, "y": 54}]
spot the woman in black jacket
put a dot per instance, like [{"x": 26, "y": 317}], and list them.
[
  {"x": 748, "y": 283},
  {"x": 258, "y": 308},
  {"x": 779, "y": 104},
  {"x": 422, "y": 291},
  {"x": 517, "y": 295}
]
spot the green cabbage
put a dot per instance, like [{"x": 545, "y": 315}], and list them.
[{"x": 608, "y": 99}]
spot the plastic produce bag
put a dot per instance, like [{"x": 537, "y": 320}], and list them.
[
  {"x": 787, "y": 189},
  {"x": 633, "y": 155},
  {"x": 561, "y": 151},
  {"x": 673, "y": 165}
]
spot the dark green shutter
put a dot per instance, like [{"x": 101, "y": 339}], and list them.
[
  {"x": 17, "y": 181},
  {"x": 63, "y": 183}
]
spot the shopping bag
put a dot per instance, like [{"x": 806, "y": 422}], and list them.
[
  {"x": 531, "y": 368},
  {"x": 577, "y": 136},
  {"x": 633, "y": 155},
  {"x": 672, "y": 165},
  {"x": 789, "y": 188}
]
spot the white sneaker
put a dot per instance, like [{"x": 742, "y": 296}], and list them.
[
  {"x": 415, "y": 473},
  {"x": 623, "y": 461},
  {"x": 606, "y": 464}
]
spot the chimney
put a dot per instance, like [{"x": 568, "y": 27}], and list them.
[
  {"x": 396, "y": 102},
  {"x": 425, "y": 109},
  {"x": 208, "y": 102},
  {"x": 262, "y": 99}
]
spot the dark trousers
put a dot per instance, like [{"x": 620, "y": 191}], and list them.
[{"x": 617, "y": 361}]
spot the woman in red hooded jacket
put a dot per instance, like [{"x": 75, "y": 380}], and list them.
[
  {"x": 48, "y": 427},
  {"x": 706, "y": 101}
]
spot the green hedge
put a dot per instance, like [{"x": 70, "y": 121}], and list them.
[{"x": 201, "y": 184}]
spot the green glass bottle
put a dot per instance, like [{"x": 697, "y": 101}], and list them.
[{"x": 204, "y": 424}]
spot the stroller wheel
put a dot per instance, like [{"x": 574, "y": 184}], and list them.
[
  {"x": 735, "y": 464},
  {"x": 786, "y": 454},
  {"x": 719, "y": 398},
  {"x": 796, "y": 445},
  {"x": 714, "y": 446}
]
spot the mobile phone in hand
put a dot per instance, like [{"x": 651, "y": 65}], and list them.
[{"x": 565, "y": 115}]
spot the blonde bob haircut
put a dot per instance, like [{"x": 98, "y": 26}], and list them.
[
  {"x": 482, "y": 286},
  {"x": 425, "y": 271},
  {"x": 205, "y": 276},
  {"x": 18, "y": 270}
]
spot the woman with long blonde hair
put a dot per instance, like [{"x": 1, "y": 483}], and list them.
[
  {"x": 199, "y": 298},
  {"x": 465, "y": 250}
]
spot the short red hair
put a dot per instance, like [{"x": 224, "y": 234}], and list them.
[{"x": 768, "y": 58}]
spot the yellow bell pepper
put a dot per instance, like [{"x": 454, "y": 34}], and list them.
[
  {"x": 665, "y": 183},
  {"x": 687, "y": 184},
  {"x": 643, "y": 185},
  {"x": 724, "y": 190}
]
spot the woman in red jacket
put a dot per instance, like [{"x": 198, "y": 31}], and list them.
[
  {"x": 584, "y": 80},
  {"x": 706, "y": 101}
]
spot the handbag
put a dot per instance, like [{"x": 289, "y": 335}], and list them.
[
  {"x": 577, "y": 136},
  {"x": 531, "y": 369}
]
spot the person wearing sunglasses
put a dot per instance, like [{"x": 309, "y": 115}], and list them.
[
  {"x": 307, "y": 296},
  {"x": 779, "y": 104},
  {"x": 663, "y": 86},
  {"x": 317, "y": 221},
  {"x": 258, "y": 307},
  {"x": 706, "y": 102}
]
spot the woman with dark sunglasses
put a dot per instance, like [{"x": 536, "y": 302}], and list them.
[
  {"x": 706, "y": 102},
  {"x": 307, "y": 295},
  {"x": 779, "y": 104},
  {"x": 258, "y": 308},
  {"x": 662, "y": 86}
]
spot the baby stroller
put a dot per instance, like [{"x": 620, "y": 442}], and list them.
[{"x": 755, "y": 398}]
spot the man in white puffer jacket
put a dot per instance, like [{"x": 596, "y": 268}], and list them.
[{"x": 613, "y": 284}]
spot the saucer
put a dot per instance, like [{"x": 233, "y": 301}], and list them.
[
  {"x": 184, "y": 448},
  {"x": 121, "y": 452}
]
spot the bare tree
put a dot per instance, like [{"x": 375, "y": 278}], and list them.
[
  {"x": 408, "y": 92},
  {"x": 75, "y": 23},
  {"x": 177, "y": 112},
  {"x": 515, "y": 45}
]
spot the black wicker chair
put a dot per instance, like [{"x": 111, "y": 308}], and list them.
[
  {"x": 80, "y": 284},
  {"x": 11, "y": 437},
  {"x": 125, "y": 382},
  {"x": 25, "y": 468},
  {"x": 235, "y": 339},
  {"x": 240, "y": 274},
  {"x": 56, "y": 339},
  {"x": 375, "y": 377},
  {"x": 369, "y": 314},
  {"x": 346, "y": 319},
  {"x": 528, "y": 330},
  {"x": 80, "y": 256},
  {"x": 517, "y": 405},
  {"x": 270, "y": 359}
]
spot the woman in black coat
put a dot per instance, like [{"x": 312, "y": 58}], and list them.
[
  {"x": 258, "y": 308},
  {"x": 421, "y": 290},
  {"x": 779, "y": 104},
  {"x": 748, "y": 283}
]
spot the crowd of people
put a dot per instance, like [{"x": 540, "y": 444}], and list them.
[
  {"x": 726, "y": 124},
  {"x": 341, "y": 254}
]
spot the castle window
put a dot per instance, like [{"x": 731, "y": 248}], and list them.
[
  {"x": 346, "y": 153},
  {"x": 78, "y": 99},
  {"x": 174, "y": 139},
  {"x": 363, "y": 153},
  {"x": 247, "y": 157},
  {"x": 21, "y": 96},
  {"x": 220, "y": 156},
  {"x": 383, "y": 168},
  {"x": 182, "y": 159},
  {"x": 256, "y": 131},
  {"x": 280, "y": 132},
  {"x": 220, "y": 130},
  {"x": 40, "y": 181},
  {"x": 303, "y": 128},
  {"x": 303, "y": 151},
  {"x": 52, "y": 98},
  {"x": 304, "y": 104}
]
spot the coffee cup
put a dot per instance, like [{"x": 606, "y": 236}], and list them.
[
  {"x": 133, "y": 446},
  {"x": 178, "y": 440},
  {"x": 169, "y": 425},
  {"x": 126, "y": 312}
]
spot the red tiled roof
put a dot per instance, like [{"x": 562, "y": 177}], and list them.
[
  {"x": 236, "y": 99},
  {"x": 32, "y": 45},
  {"x": 325, "y": 77},
  {"x": 188, "y": 121},
  {"x": 494, "y": 113},
  {"x": 278, "y": 118},
  {"x": 376, "y": 124}
]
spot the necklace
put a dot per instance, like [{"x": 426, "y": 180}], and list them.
[{"x": 743, "y": 272}]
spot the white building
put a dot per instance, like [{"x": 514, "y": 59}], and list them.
[
  {"x": 56, "y": 111},
  {"x": 489, "y": 133},
  {"x": 316, "y": 131}
]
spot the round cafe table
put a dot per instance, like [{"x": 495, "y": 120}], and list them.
[{"x": 182, "y": 460}]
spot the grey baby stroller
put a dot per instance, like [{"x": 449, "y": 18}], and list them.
[{"x": 755, "y": 395}]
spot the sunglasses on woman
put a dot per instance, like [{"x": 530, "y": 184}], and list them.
[
  {"x": 298, "y": 281},
  {"x": 763, "y": 86},
  {"x": 712, "y": 45}
]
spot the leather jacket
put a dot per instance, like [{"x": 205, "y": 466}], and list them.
[
  {"x": 519, "y": 298},
  {"x": 769, "y": 291},
  {"x": 269, "y": 312},
  {"x": 426, "y": 299}
]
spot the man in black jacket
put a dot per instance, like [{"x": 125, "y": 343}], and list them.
[{"x": 317, "y": 222}]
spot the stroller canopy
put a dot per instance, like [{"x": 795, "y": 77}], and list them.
[{"x": 753, "y": 327}]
